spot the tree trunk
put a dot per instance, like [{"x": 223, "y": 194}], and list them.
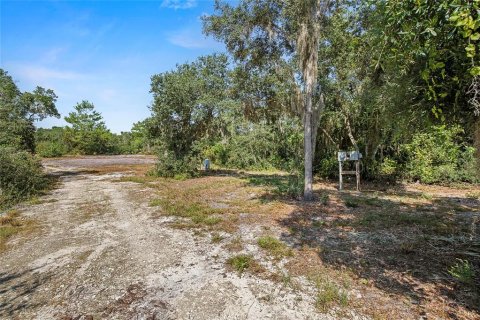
[{"x": 308, "y": 148}]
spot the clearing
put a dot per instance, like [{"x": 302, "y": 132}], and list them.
[{"x": 112, "y": 243}]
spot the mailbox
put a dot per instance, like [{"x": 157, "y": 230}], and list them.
[
  {"x": 349, "y": 156},
  {"x": 354, "y": 155}
]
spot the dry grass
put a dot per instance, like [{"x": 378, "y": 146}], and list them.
[
  {"x": 393, "y": 244},
  {"x": 136, "y": 169},
  {"x": 11, "y": 224}
]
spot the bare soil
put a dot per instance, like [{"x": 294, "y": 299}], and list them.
[
  {"x": 112, "y": 243},
  {"x": 101, "y": 253}
]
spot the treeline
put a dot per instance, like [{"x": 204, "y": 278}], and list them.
[
  {"x": 87, "y": 134},
  {"x": 398, "y": 81},
  {"x": 21, "y": 144}
]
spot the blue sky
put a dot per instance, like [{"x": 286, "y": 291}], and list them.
[{"x": 101, "y": 51}]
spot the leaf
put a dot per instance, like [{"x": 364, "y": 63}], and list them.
[
  {"x": 475, "y": 37},
  {"x": 475, "y": 71},
  {"x": 431, "y": 31},
  {"x": 470, "y": 49}
]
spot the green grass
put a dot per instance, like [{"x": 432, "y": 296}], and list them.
[
  {"x": 355, "y": 202},
  {"x": 324, "y": 199},
  {"x": 200, "y": 214},
  {"x": 274, "y": 247},
  {"x": 351, "y": 203},
  {"x": 244, "y": 262},
  {"x": 329, "y": 294}
]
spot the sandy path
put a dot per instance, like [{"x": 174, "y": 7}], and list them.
[{"x": 101, "y": 255}]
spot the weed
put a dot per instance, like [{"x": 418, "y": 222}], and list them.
[
  {"x": 329, "y": 294},
  {"x": 324, "y": 199},
  {"x": 275, "y": 247},
  {"x": 318, "y": 223},
  {"x": 351, "y": 203},
  {"x": 462, "y": 271},
  {"x": 244, "y": 262},
  {"x": 216, "y": 237},
  {"x": 11, "y": 224},
  {"x": 156, "y": 202}
]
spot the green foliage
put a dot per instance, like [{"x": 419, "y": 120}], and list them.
[
  {"x": 21, "y": 175},
  {"x": 50, "y": 149},
  {"x": 275, "y": 247},
  {"x": 50, "y": 142},
  {"x": 19, "y": 111},
  {"x": 243, "y": 262},
  {"x": 88, "y": 133},
  {"x": 187, "y": 105},
  {"x": 462, "y": 271},
  {"x": 169, "y": 166},
  {"x": 437, "y": 156}
]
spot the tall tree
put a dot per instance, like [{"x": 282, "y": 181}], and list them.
[
  {"x": 187, "y": 102},
  {"x": 87, "y": 133},
  {"x": 278, "y": 35},
  {"x": 20, "y": 110}
]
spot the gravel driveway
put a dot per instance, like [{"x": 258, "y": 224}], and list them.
[{"x": 99, "y": 254}]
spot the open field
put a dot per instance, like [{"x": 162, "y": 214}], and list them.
[{"x": 112, "y": 243}]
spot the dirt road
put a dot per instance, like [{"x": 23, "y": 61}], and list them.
[{"x": 99, "y": 254}]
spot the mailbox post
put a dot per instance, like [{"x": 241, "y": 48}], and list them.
[{"x": 348, "y": 156}]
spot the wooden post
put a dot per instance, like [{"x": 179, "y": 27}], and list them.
[
  {"x": 340, "y": 176},
  {"x": 357, "y": 173}
]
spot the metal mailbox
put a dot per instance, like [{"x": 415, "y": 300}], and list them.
[{"x": 349, "y": 156}]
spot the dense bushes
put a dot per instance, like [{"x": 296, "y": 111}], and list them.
[
  {"x": 170, "y": 166},
  {"x": 21, "y": 175},
  {"x": 438, "y": 155}
]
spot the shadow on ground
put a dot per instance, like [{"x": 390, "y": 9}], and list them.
[
  {"x": 404, "y": 242},
  {"x": 16, "y": 289}
]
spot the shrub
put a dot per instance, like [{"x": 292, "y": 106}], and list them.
[
  {"x": 21, "y": 175},
  {"x": 50, "y": 149},
  {"x": 170, "y": 166},
  {"x": 438, "y": 156},
  {"x": 462, "y": 271}
]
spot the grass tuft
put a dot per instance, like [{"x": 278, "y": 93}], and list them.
[
  {"x": 329, "y": 294},
  {"x": 275, "y": 247},
  {"x": 11, "y": 224},
  {"x": 244, "y": 262}
]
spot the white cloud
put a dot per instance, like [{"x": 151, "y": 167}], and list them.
[
  {"x": 38, "y": 73},
  {"x": 192, "y": 39},
  {"x": 52, "y": 55},
  {"x": 179, "y": 4}
]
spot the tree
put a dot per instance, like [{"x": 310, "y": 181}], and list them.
[
  {"x": 88, "y": 133},
  {"x": 277, "y": 36},
  {"x": 187, "y": 103},
  {"x": 19, "y": 111}
]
